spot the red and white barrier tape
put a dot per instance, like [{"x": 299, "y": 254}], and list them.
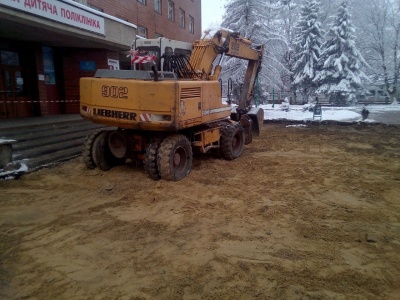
[
  {"x": 143, "y": 59},
  {"x": 36, "y": 101}
]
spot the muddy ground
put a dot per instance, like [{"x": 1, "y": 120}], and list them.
[{"x": 306, "y": 213}]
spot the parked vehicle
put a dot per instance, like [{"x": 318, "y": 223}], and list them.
[{"x": 374, "y": 95}]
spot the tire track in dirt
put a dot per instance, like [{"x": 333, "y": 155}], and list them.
[{"x": 309, "y": 212}]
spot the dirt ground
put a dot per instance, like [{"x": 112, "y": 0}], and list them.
[{"x": 305, "y": 213}]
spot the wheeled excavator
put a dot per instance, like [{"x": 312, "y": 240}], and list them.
[{"x": 161, "y": 117}]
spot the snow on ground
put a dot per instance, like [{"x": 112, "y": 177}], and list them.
[
  {"x": 4, "y": 141},
  {"x": 300, "y": 113},
  {"x": 297, "y": 113},
  {"x": 17, "y": 168}
]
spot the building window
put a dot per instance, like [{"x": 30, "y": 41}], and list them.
[
  {"x": 182, "y": 18},
  {"x": 142, "y": 31},
  {"x": 142, "y": 1},
  {"x": 171, "y": 9},
  {"x": 157, "y": 6},
  {"x": 191, "y": 24},
  {"x": 158, "y": 35},
  {"x": 9, "y": 58}
]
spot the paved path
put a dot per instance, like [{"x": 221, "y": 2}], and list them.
[
  {"x": 7, "y": 124},
  {"x": 387, "y": 117}
]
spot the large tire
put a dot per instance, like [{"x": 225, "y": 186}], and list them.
[
  {"x": 150, "y": 159},
  {"x": 174, "y": 158},
  {"x": 87, "y": 150},
  {"x": 232, "y": 141},
  {"x": 101, "y": 153}
]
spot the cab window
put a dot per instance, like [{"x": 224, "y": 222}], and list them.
[
  {"x": 183, "y": 51},
  {"x": 168, "y": 50},
  {"x": 382, "y": 94},
  {"x": 147, "y": 51}
]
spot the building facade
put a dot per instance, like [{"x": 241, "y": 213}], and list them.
[
  {"x": 175, "y": 19},
  {"x": 46, "y": 46}
]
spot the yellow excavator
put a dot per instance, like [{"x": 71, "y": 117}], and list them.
[{"x": 163, "y": 116}]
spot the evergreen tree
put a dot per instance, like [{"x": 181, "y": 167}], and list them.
[
  {"x": 257, "y": 21},
  {"x": 340, "y": 61},
  {"x": 307, "y": 46}
]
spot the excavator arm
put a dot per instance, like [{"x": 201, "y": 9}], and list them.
[{"x": 225, "y": 42}]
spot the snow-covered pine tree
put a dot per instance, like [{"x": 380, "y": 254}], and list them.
[
  {"x": 289, "y": 13},
  {"x": 307, "y": 47},
  {"x": 255, "y": 20},
  {"x": 340, "y": 61}
]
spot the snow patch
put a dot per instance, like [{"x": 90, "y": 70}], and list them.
[
  {"x": 13, "y": 169},
  {"x": 4, "y": 141},
  {"x": 298, "y": 113},
  {"x": 210, "y": 32},
  {"x": 298, "y": 125}
]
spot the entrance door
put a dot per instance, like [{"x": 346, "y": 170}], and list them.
[{"x": 14, "y": 100}]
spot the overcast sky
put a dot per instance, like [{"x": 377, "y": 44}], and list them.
[{"x": 211, "y": 13}]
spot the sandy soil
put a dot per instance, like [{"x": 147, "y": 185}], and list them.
[{"x": 306, "y": 213}]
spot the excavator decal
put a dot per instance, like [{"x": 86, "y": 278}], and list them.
[{"x": 115, "y": 114}]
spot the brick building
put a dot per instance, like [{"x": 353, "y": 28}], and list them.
[
  {"x": 47, "y": 45},
  {"x": 176, "y": 19}
]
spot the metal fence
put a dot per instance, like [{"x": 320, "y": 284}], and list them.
[{"x": 371, "y": 95}]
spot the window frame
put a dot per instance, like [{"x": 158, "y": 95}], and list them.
[
  {"x": 191, "y": 24},
  {"x": 159, "y": 11},
  {"x": 142, "y": 28},
  {"x": 181, "y": 18},
  {"x": 171, "y": 5}
]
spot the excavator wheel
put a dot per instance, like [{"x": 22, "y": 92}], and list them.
[
  {"x": 87, "y": 149},
  {"x": 150, "y": 159},
  {"x": 174, "y": 158},
  {"x": 101, "y": 153},
  {"x": 232, "y": 141}
]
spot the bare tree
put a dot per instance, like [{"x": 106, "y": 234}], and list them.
[{"x": 381, "y": 39}]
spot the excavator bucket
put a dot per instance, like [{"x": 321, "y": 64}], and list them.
[{"x": 256, "y": 114}]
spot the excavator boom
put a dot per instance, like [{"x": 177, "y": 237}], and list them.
[{"x": 232, "y": 44}]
